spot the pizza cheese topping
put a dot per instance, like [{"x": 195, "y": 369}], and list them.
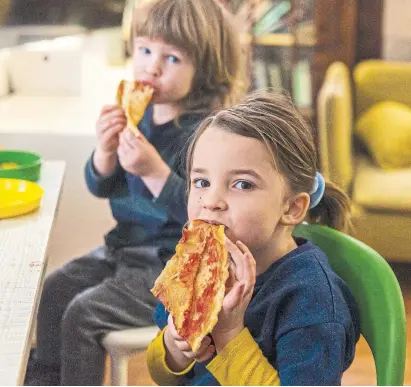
[
  {"x": 134, "y": 97},
  {"x": 192, "y": 285}
]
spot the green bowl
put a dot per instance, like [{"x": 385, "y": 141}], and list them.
[{"x": 28, "y": 165}]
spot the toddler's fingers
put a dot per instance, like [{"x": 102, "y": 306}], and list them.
[
  {"x": 132, "y": 141},
  {"x": 140, "y": 136},
  {"x": 117, "y": 112},
  {"x": 107, "y": 108},
  {"x": 124, "y": 141},
  {"x": 106, "y": 119},
  {"x": 131, "y": 138},
  {"x": 117, "y": 120},
  {"x": 104, "y": 125},
  {"x": 114, "y": 122},
  {"x": 121, "y": 154},
  {"x": 110, "y": 133}
]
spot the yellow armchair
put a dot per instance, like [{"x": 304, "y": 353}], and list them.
[{"x": 381, "y": 198}]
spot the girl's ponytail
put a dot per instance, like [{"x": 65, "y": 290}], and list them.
[{"x": 333, "y": 210}]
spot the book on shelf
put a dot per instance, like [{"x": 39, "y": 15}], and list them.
[
  {"x": 275, "y": 75},
  {"x": 301, "y": 85},
  {"x": 281, "y": 16},
  {"x": 279, "y": 75},
  {"x": 269, "y": 74},
  {"x": 260, "y": 74},
  {"x": 271, "y": 17},
  {"x": 293, "y": 17}
]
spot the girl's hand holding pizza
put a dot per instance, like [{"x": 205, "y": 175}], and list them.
[
  {"x": 231, "y": 317},
  {"x": 179, "y": 353}
]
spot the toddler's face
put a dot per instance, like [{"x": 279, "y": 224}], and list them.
[
  {"x": 233, "y": 182},
  {"x": 165, "y": 67}
]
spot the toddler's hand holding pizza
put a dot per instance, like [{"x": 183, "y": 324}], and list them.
[
  {"x": 110, "y": 123},
  {"x": 179, "y": 354},
  {"x": 231, "y": 317},
  {"x": 140, "y": 158}
]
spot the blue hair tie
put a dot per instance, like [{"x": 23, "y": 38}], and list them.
[{"x": 317, "y": 192}]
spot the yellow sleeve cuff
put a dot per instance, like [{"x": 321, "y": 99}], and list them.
[
  {"x": 241, "y": 363},
  {"x": 157, "y": 365}
]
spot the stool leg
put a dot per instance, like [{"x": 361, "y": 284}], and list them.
[{"x": 119, "y": 370}]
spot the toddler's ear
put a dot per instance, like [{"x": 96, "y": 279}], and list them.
[{"x": 296, "y": 209}]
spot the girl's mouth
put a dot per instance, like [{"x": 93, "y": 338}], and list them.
[{"x": 214, "y": 222}]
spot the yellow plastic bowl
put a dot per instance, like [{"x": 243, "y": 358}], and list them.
[{"x": 18, "y": 197}]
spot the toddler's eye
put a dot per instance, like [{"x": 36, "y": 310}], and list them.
[
  {"x": 242, "y": 184},
  {"x": 173, "y": 59},
  {"x": 144, "y": 50},
  {"x": 201, "y": 183}
]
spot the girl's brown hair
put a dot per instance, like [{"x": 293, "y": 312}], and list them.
[
  {"x": 273, "y": 119},
  {"x": 205, "y": 32}
]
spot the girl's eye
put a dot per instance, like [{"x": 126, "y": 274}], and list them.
[
  {"x": 201, "y": 183},
  {"x": 173, "y": 59},
  {"x": 144, "y": 50},
  {"x": 242, "y": 184}
]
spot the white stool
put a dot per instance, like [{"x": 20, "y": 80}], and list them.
[{"x": 120, "y": 345}]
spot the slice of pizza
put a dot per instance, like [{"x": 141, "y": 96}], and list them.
[
  {"x": 134, "y": 97},
  {"x": 192, "y": 285}
]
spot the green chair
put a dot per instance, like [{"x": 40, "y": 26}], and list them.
[{"x": 378, "y": 295}]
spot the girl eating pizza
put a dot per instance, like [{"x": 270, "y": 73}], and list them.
[{"x": 286, "y": 316}]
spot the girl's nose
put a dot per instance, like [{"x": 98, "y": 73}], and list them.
[{"x": 214, "y": 201}]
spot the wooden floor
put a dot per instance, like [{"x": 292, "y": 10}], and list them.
[{"x": 361, "y": 372}]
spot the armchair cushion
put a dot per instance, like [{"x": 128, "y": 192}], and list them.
[
  {"x": 378, "y": 189},
  {"x": 386, "y": 130}
]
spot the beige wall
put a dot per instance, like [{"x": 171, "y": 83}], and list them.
[{"x": 397, "y": 30}]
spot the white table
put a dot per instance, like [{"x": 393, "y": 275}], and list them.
[{"x": 23, "y": 249}]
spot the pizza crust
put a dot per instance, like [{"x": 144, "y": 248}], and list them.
[
  {"x": 134, "y": 98},
  {"x": 192, "y": 285}
]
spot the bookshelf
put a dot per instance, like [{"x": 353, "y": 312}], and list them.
[
  {"x": 294, "y": 41},
  {"x": 282, "y": 40}
]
